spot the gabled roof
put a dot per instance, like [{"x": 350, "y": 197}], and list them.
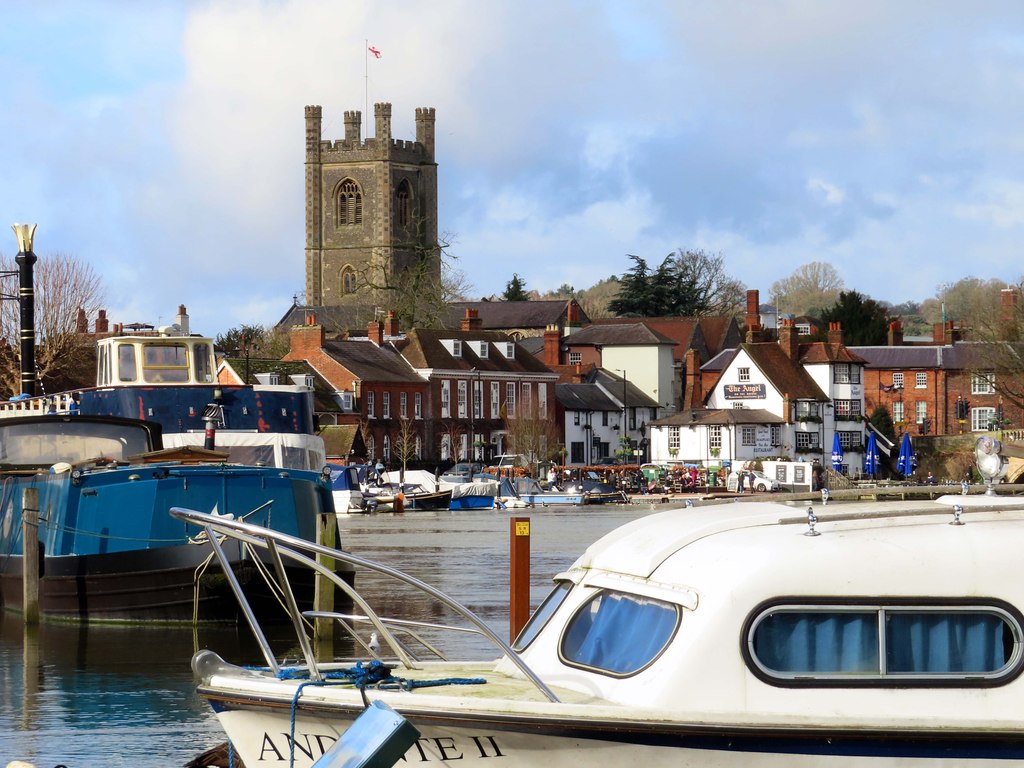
[
  {"x": 959, "y": 356},
  {"x": 342, "y": 440},
  {"x": 323, "y": 392},
  {"x": 786, "y": 375},
  {"x": 345, "y": 318},
  {"x": 423, "y": 349},
  {"x": 368, "y": 362},
  {"x": 708, "y": 335},
  {"x": 817, "y": 352},
  {"x": 584, "y": 397},
  {"x": 620, "y": 388},
  {"x": 497, "y": 315},
  {"x": 624, "y": 334}
]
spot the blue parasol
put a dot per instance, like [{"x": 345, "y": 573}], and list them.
[
  {"x": 871, "y": 456},
  {"x": 837, "y": 454},
  {"x": 907, "y": 462}
]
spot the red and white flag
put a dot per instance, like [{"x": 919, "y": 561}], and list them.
[{"x": 374, "y": 51}]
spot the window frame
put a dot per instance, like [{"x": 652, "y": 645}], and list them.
[{"x": 1010, "y": 671}]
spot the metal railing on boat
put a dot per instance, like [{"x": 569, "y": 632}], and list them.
[{"x": 281, "y": 545}]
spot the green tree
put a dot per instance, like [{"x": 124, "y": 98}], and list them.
[
  {"x": 864, "y": 321},
  {"x": 515, "y": 289},
  {"x": 881, "y": 420},
  {"x": 685, "y": 284}
]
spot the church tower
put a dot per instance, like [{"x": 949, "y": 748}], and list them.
[{"x": 371, "y": 207}]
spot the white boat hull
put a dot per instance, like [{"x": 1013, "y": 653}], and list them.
[{"x": 263, "y": 737}]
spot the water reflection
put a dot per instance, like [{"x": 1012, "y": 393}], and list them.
[{"x": 124, "y": 696}]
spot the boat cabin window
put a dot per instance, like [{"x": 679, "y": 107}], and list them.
[
  {"x": 126, "y": 368},
  {"x": 37, "y": 444},
  {"x": 900, "y": 644},
  {"x": 165, "y": 363},
  {"x": 618, "y": 633},
  {"x": 542, "y": 615},
  {"x": 202, "y": 361}
]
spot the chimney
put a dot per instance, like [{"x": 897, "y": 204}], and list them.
[
  {"x": 81, "y": 322},
  {"x": 471, "y": 322},
  {"x": 939, "y": 333},
  {"x": 182, "y": 320},
  {"x": 552, "y": 346},
  {"x": 305, "y": 341},
  {"x": 787, "y": 408},
  {"x": 572, "y": 315},
  {"x": 788, "y": 339},
  {"x": 693, "y": 394},
  {"x": 375, "y": 330},
  {"x": 835, "y": 333},
  {"x": 895, "y": 334},
  {"x": 1008, "y": 319},
  {"x": 102, "y": 323},
  {"x": 391, "y": 325},
  {"x": 753, "y": 318}
]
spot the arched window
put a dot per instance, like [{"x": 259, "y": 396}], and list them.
[
  {"x": 348, "y": 279},
  {"x": 403, "y": 203},
  {"x": 349, "y": 203}
]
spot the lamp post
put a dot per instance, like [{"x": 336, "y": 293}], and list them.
[
  {"x": 624, "y": 435},
  {"x": 26, "y": 295}
]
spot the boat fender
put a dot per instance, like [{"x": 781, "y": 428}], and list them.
[{"x": 60, "y": 468}]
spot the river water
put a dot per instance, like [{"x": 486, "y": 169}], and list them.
[{"x": 115, "y": 696}]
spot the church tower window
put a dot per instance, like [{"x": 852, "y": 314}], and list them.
[
  {"x": 349, "y": 203},
  {"x": 348, "y": 280},
  {"x": 403, "y": 203}
]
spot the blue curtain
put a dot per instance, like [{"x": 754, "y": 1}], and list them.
[
  {"x": 944, "y": 642},
  {"x": 936, "y": 642},
  {"x": 825, "y": 643},
  {"x": 619, "y": 633}
]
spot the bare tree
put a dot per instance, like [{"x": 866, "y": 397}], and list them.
[
  {"x": 532, "y": 433},
  {"x": 403, "y": 444},
  {"x": 810, "y": 288},
  {"x": 63, "y": 286}
]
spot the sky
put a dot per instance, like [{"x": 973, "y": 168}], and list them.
[{"x": 162, "y": 143}]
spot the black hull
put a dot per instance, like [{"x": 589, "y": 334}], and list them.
[{"x": 179, "y": 584}]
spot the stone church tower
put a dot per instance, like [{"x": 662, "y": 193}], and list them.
[{"x": 371, "y": 207}]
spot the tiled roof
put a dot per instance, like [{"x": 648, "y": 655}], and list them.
[
  {"x": 423, "y": 349},
  {"x": 618, "y": 334},
  {"x": 368, "y": 362},
  {"x": 496, "y": 315},
  {"x": 825, "y": 352},
  {"x": 635, "y": 397},
  {"x": 341, "y": 439},
  {"x": 962, "y": 355},
  {"x": 584, "y": 397},
  {"x": 787, "y": 376}
]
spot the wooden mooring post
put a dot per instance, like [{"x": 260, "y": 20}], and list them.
[
  {"x": 519, "y": 575},
  {"x": 30, "y": 554},
  {"x": 323, "y": 594}
]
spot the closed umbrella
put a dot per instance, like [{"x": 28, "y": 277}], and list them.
[
  {"x": 871, "y": 456},
  {"x": 906, "y": 463},
  {"x": 837, "y": 454}
]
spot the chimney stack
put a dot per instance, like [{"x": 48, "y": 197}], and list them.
[
  {"x": 1008, "y": 316},
  {"x": 753, "y": 318},
  {"x": 835, "y": 333},
  {"x": 895, "y": 333},
  {"x": 552, "y": 345},
  {"x": 789, "y": 339},
  {"x": 102, "y": 323},
  {"x": 471, "y": 322},
  {"x": 375, "y": 331},
  {"x": 391, "y": 325}
]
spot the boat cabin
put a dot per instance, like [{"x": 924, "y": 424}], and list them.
[{"x": 168, "y": 357}]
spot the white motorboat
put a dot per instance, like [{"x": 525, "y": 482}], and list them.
[{"x": 743, "y": 634}]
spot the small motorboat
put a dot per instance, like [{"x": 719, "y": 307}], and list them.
[{"x": 882, "y": 633}]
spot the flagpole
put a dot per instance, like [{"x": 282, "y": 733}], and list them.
[{"x": 366, "y": 86}]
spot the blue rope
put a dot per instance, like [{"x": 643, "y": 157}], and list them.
[{"x": 376, "y": 674}]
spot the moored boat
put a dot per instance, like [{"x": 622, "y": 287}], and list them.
[
  {"x": 107, "y": 548},
  {"x": 742, "y": 634}
]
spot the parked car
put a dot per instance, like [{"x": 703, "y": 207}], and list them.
[{"x": 762, "y": 483}]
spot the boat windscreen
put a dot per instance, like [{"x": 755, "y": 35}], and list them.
[{"x": 44, "y": 443}]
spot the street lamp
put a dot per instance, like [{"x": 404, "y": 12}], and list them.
[
  {"x": 625, "y": 410},
  {"x": 26, "y": 294}
]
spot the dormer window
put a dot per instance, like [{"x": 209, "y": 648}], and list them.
[
  {"x": 454, "y": 346},
  {"x": 482, "y": 349},
  {"x": 510, "y": 351}
]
